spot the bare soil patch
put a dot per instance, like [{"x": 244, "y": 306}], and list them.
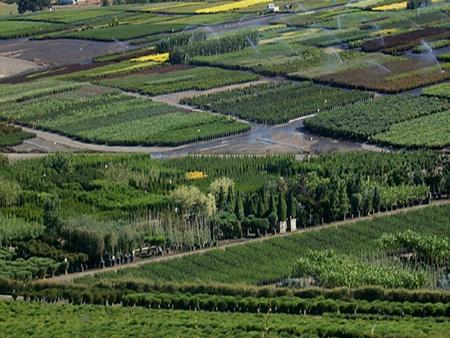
[{"x": 58, "y": 51}]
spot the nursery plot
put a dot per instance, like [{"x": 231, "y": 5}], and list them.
[
  {"x": 95, "y": 114},
  {"x": 163, "y": 82},
  {"x": 432, "y": 131},
  {"x": 393, "y": 76},
  {"x": 276, "y": 102},
  {"x": 440, "y": 90},
  {"x": 292, "y": 58},
  {"x": 401, "y": 42},
  {"x": 18, "y": 29},
  {"x": 124, "y": 31},
  {"x": 70, "y": 15},
  {"x": 111, "y": 70},
  {"x": 35, "y": 89},
  {"x": 363, "y": 120},
  {"x": 25, "y": 319}
]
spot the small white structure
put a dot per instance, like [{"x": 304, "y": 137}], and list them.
[
  {"x": 282, "y": 227},
  {"x": 292, "y": 224},
  {"x": 272, "y": 8}
]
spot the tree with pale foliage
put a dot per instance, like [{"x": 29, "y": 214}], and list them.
[{"x": 191, "y": 202}]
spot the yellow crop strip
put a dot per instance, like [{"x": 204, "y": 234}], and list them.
[
  {"x": 160, "y": 58},
  {"x": 231, "y": 6},
  {"x": 392, "y": 7}
]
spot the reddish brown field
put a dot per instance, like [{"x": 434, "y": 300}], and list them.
[
  {"x": 391, "y": 77},
  {"x": 404, "y": 41}
]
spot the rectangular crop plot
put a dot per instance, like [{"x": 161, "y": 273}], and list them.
[
  {"x": 276, "y": 102},
  {"x": 163, "y": 80},
  {"x": 363, "y": 120},
  {"x": 440, "y": 90},
  {"x": 124, "y": 32},
  {"x": 102, "y": 115},
  {"x": 405, "y": 41},
  {"x": 32, "y": 90},
  {"x": 432, "y": 131},
  {"x": 70, "y": 16},
  {"x": 393, "y": 76},
  {"x": 18, "y": 29}
]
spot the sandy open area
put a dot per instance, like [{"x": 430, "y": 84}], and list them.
[{"x": 11, "y": 66}]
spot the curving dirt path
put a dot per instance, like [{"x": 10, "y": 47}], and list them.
[{"x": 228, "y": 244}]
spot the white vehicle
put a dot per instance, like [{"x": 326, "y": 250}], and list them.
[{"x": 272, "y": 8}]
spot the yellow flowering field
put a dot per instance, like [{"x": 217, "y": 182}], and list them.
[
  {"x": 230, "y": 6},
  {"x": 160, "y": 58},
  {"x": 392, "y": 7}
]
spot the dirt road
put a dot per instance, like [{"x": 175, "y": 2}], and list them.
[{"x": 229, "y": 244}]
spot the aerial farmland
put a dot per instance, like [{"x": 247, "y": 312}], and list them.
[{"x": 225, "y": 168}]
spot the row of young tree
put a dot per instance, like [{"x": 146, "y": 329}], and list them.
[{"x": 182, "y": 47}]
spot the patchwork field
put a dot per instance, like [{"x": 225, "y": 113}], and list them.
[
  {"x": 342, "y": 232},
  {"x": 428, "y": 131},
  {"x": 100, "y": 115},
  {"x": 387, "y": 114},
  {"x": 164, "y": 80},
  {"x": 277, "y": 102}
]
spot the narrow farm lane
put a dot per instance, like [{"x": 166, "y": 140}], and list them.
[{"x": 228, "y": 244}]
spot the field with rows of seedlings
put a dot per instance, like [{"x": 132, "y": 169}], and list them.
[
  {"x": 277, "y": 102},
  {"x": 19, "y": 29},
  {"x": 440, "y": 90},
  {"x": 165, "y": 81},
  {"x": 99, "y": 115},
  {"x": 431, "y": 131},
  {"x": 365, "y": 120},
  {"x": 141, "y": 322}
]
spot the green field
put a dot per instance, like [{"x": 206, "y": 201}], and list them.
[
  {"x": 18, "y": 29},
  {"x": 124, "y": 195},
  {"x": 346, "y": 236},
  {"x": 440, "y": 90},
  {"x": 162, "y": 82},
  {"x": 276, "y": 102},
  {"x": 99, "y": 115},
  {"x": 428, "y": 131},
  {"x": 364, "y": 120},
  {"x": 79, "y": 321}
]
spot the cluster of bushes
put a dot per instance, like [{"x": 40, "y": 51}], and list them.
[
  {"x": 351, "y": 272},
  {"x": 132, "y": 287}
]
